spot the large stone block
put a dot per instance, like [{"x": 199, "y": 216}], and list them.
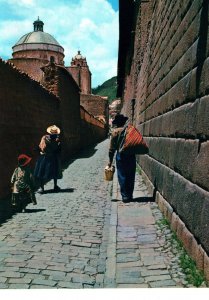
[
  {"x": 198, "y": 254},
  {"x": 202, "y": 228},
  {"x": 167, "y": 188},
  {"x": 201, "y": 167},
  {"x": 180, "y": 229},
  {"x": 174, "y": 221},
  {"x": 166, "y": 124},
  {"x": 185, "y": 152},
  {"x": 204, "y": 82},
  {"x": 186, "y": 239},
  {"x": 183, "y": 123},
  {"x": 202, "y": 119},
  {"x": 206, "y": 266}
]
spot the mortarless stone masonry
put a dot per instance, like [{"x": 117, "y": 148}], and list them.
[{"x": 164, "y": 67}]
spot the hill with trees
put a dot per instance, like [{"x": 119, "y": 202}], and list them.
[{"x": 108, "y": 88}]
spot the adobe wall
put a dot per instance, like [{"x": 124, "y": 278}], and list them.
[
  {"x": 31, "y": 66},
  {"x": 92, "y": 130},
  {"x": 28, "y": 108},
  {"x": 69, "y": 93},
  {"x": 95, "y": 105},
  {"x": 169, "y": 80}
]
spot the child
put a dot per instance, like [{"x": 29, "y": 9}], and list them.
[{"x": 23, "y": 184}]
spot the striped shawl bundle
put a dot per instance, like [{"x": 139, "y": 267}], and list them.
[{"x": 133, "y": 142}]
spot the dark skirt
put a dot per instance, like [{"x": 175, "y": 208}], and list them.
[
  {"x": 126, "y": 169},
  {"x": 48, "y": 167},
  {"x": 20, "y": 200}
]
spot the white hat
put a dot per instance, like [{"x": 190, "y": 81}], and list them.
[{"x": 53, "y": 129}]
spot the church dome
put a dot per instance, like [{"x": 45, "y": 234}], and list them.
[
  {"x": 37, "y": 40},
  {"x": 37, "y": 37}
]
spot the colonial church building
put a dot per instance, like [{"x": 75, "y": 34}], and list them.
[{"x": 37, "y": 49}]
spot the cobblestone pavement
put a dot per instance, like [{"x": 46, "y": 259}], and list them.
[
  {"x": 79, "y": 238},
  {"x": 145, "y": 256},
  {"x": 62, "y": 241}
]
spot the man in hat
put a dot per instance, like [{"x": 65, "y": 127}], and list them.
[
  {"x": 48, "y": 165},
  {"x": 126, "y": 164}
]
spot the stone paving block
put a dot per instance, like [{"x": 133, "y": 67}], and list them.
[
  {"x": 81, "y": 244},
  {"x": 19, "y": 286},
  {"x": 3, "y": 279},
  {"x": 149, "y": 246},
  {"x": 51, "y": 272},
  {"x": 90, "y": 270},
  {"x": 23, "y": 280},
  {"x": 5, "y": 268},
  {"x": 127, "y": 280},
  {"x": 61, "y": 268},
  {"x": 126, "y": 245},
  {"x": 157, "y": 278},
  {"x": 88, "y": 286},
  {"x": 69, "y": 285},
  {"x": 133, "y": 286},
  {"x": 157, "y": 267},
  {"x": 100, "y": 278},
  {"x": 154, "y": 272},
  {"x": 11, "y": 274},
  {"x": 163, "y": 284},
  {"x": 153, "y": 261},
  {"x": 125, "y": 251},
  {"x": 146, "y": 239},
  {"x": 82, "y": 278},
  {"x": 30, "y": 270},
  {"x": 16, "y": 264},
  {"x": 132, "y": 264},
  {"x": 45, "y": 282},
  {"x": 102, "y": 268},
  {"x": 39, "y": 286},
  {"x": 3, "y": 286}
]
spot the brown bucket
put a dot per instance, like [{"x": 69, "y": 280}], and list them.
[{"x": 109, "y": 172}]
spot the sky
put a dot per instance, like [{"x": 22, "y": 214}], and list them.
[{"x": 90, "y": 26}]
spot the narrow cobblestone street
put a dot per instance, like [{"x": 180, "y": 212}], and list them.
[{"x": 79, "y": 238}]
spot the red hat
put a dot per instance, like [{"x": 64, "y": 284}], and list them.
[{"x": 23, "y": 160}]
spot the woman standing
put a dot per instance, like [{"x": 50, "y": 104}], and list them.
[
  {"x": 125, "y": 163},
  {"x": 48, "y": 165}
]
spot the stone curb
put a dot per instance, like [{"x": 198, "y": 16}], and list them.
[{"x": 110, "y": 275}]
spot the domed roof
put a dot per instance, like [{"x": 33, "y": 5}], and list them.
[{"x": 37, "y": 39}]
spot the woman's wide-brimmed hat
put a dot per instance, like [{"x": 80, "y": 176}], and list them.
[
  {"x": 53, "y": 129},
  {"x": 119, "y": 120},
  {"x": 23, "y": 160}
]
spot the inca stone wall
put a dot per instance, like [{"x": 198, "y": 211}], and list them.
[{"x": 168, "y": 78}]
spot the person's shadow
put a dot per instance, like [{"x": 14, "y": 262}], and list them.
[
  {"x": 67, "y": 190},
  {"x": 34, "y": 210},
  {"x": 138, "y": 200}
]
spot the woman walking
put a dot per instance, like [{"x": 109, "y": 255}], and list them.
[
  {"x": 125, "y": 163},
  {"x": 48, "y": 165}
]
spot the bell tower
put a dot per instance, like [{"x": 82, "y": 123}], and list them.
[{"x": 80, "y": 71}]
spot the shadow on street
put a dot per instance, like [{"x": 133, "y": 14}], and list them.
[
  {"x": 51, "y": 191},
  {"x": 138, "y": 200}
]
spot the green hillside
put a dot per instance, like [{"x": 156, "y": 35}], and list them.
[{"x": 108, "y": 88}]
